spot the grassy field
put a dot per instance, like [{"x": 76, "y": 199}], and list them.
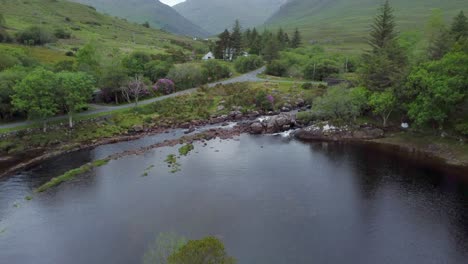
[
  {"x": 85, "y": 24},
  {"x": 344, "y": 24}
]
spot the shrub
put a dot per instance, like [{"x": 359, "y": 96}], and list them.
[
  {"x": 321, "y": 70},
  {"x": 164, "y": 86},
  {"x": 186, "y": 76},
  {"x": 69, "y": 53},
  {"x": 277, "y": 68},
  {"x": 34, "y": 36},
  {"x": 305, "y": 117},
  {"x": 246, "y": 64},
  {"x": 462, "y": 129},
  {"x": 155, "y": 70},
  {"x": 340, "y": 103},
  {"x": 60, "y": 33},
  {"x": 207, "y": 250},
  {"x": 65, "y": 65},
  {"x": 307, "y": 86},
  {"x": 215, "y": 70},
  {"x": 4, "y": 37},
  {"x": 135, "y": 62},
  {"x": 264, "y": 100},
  {"x": 8, "y": 61},
  {"x": 8, "y": 79},
  {"x": 295, "y": 72}
]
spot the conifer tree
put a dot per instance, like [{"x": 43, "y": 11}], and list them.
[
  {"x": 384, "y": 66},
  {"x": 223, "y": 45},
  {"x": 236, "y": 40},
  {"x": 460, "y": 26},
  {"x": 296, "y": 40},
  {"x": 255, "y": 43},
  {"x": 280, "y": 38},
  {"x": 440, "y": 44},
  {"x": 383, "y": 31}
]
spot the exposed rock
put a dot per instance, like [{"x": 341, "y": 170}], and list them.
[
  {"x": 325, "y": 131},
  {"x": 138, "y": 128},
  {"x": 256, "y": 128},
  {"x": 220, "y": 108},
  {"x": 190, "y": 130},
  {"x": 277, "y": 123}
]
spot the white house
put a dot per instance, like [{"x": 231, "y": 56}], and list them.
[{"x": 209, "y": 56}]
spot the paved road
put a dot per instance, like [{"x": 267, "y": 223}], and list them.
[{"x": 96, "y": 109}]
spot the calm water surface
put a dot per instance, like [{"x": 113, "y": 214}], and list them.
[{"x": 271, "y": 200}]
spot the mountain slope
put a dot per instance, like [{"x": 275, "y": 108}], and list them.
[
  {"x": 349, "y": 20},
  {"x": 85, "y": 25},
  {"x": 153, "y": 11},
  {"x": 216, "y": 15}
]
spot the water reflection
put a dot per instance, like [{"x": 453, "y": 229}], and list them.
[{"x": 271, "y": 200}]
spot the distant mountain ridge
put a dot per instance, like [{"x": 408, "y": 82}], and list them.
[
  {"x": 216, "y": 15},
  {"x": 153, "y": 11},
  {"x": 349, "y": 20}
]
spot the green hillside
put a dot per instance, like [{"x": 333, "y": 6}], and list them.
[
  {"x": 85, "y": 24},
  {"x": 156, "y": 13},
  {"x": 330, "y": 21},
  {"x": 216, "y": 15}
]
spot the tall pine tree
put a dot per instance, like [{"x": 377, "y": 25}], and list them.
[
  {"x": 280, "y": 38},
  {"x": 296, "y": 39},
  {"x": 236, "y": 40},
  {"x": 255, "y": 43},
  {"x": 223, "y": 45},
  {"x": 383, "y": 31},
  {"x": 384, "y": 66},
  {"x": 460, "y": 26}
]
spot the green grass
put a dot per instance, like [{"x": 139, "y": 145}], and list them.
[
  {"x": 186, "y": 149},
  {"x": 71, "y": 174},
  {"x": 85, "y": 24},
  {"x": 344, "y": 24},
  {"x": 172, "y": 163}
]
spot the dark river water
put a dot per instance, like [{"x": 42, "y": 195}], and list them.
[{"x": 269, "y": 199}]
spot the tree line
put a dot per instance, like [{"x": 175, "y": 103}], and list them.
[{"x": 232, "y": 44}]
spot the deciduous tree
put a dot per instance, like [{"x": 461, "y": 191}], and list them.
[
  {"x": 37, "y": 94},
  {"x": 76, "y": 89},
  {"x": 383, "y": 104}
]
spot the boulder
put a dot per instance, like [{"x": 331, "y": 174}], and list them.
[
  {"x": 278, "y": 123},
  {"x": 138, "y": 128},
  {"x": 256, "y": 128}
]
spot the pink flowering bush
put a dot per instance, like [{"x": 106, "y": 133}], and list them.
[{"x": 164, "y": 86}]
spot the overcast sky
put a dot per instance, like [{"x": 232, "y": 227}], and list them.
[{"x": 171, "y": 2}]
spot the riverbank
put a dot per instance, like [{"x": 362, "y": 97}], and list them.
[
  {"x": 451, "y": 151},
  {"x": 216, "y": 106}
]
